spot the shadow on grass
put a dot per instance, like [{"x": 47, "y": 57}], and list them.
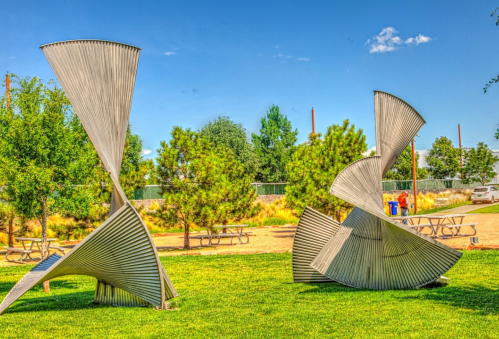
[
  {"x": 60, "y": 302},
  {"x": 476, "y": 298},
  {"x": 329, "y": 287}
]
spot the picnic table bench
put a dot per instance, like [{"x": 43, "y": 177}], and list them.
[
  {"x": 29, "y": 249},
  {"x": 436, "y": 223},
  {"x": 212, "y": 235}
]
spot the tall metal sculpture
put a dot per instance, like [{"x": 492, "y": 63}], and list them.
[
  {"x": 98, "y": 78},
  {"x": 370, "y": 250}
]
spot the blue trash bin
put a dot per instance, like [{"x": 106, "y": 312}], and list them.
[{"x": 393, "y": 207}]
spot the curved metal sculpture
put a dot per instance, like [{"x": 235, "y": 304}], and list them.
[
  {"x": 369, "y": 250},
  {"x": 313, "y": 232},
  {"x": 98, "y": 78}
]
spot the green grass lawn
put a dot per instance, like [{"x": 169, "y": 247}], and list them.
[
  {"x": 488, "y": 209},
  {"x": 253, "y": 296}
]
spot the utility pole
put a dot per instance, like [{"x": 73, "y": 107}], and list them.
[
  {"x": 313, "y": 122},
  {"x": 414, "y": 182},
  {"x": 460, "y": 148}
]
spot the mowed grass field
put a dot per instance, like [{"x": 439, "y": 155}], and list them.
[{"x": 253, "y": 296}]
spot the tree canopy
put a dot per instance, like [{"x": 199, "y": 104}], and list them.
[
  {"x": 443, "y": 159},
  {"x": 201, "y": 183},
  {"x": 402, "y": 168},
  {"x": 315, "y": 165},
  {"x": 43, "y": 151},
  {"x": 224, "y": 132},
  {"x": 274, "y": 146},
  {"x": 479, "y": 164}
]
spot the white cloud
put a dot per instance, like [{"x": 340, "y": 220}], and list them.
[
  {"x": 290, "y": 57},
  {"x": 420, "y": 39},
  {"x": 172, "y": 52},
  {"x": 388, "y": 40},
  {"x": 145, "y": 151}
]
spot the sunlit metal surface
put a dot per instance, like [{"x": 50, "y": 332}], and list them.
[
  {"x": 98, "y": 78},
  {"x": 369, "y": 250},
  {"x": 313, "y": 232}
]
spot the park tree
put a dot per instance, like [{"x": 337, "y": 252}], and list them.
[
  {"x": 402, "y": 168},
  {"x": 315, "y": 165},
  {"x": 443, "y": 159},
  {"x": 479, "y": 164},
  {"x": 202, "y": 184},
  {"x": 225, "y": 132},
  {"x": 274, "y": 146},
  {"x": 136, "y": 171},
  {"x": 46, "y": 162}
]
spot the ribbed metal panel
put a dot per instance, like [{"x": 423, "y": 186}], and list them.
[
  {"x": 396, "y": 124},
  {"x": 119, "y": 252},
  {"x": 313, "y": 232},
  {"x": 370, "y": 250},
  {"x": 109, "y": 295},
  {"x": 98, "y": 78}
]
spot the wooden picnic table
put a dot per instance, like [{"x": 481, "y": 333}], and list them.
[
  {"x": 436, "y": 223},
  {"x": 212, "y": 234}
]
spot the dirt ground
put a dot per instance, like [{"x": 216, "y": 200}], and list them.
[{"x": 278, "y": 239}]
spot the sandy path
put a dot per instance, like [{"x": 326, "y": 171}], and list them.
[
  {"x": 262, "y": 239},
  {"x": 466, "y": 208}
]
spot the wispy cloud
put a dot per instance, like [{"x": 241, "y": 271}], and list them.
[
  {"x": 388, "y": 40},
  {"x": 291, "y": 57},
  {"x": 145, "y": 151},
  {"x": 172, "y": 52}
]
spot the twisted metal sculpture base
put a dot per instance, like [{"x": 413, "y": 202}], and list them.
[
  {"x": 98, "y": 78},
  {"x": 369, "y": 250}
]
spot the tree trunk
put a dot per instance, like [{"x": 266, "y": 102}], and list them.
[
  {"x": 46, "y": 286},
  {"x": 187, "y": 244},
  {"x": 44, "y": 228},
  {"x": 11, "y": 230},
  {"x": 338, "y": 216}
]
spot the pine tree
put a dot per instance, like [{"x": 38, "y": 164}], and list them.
[
  {"x": 274, "y": 146},
  {"x": 201, "y": 184},
  {"x": 316, "y": 164}
]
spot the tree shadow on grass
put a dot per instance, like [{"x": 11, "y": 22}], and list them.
[
  {"x": 57, "y": 284},
  {"x": 477, "y": 298}
]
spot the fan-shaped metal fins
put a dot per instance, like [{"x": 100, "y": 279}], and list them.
[
  {"x": 313, "y": 232},
  {"x": 98, "y": 78},
  {"x": 397, "y": 123},
  {"x": 120, "y": 253},
  {"x": 369, "y": 252},
  {"x": 360, "y": 184}
]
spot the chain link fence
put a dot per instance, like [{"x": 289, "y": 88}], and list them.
[
  {"x": 153, "y": 191},
  {"x": 430, "y": 184}
]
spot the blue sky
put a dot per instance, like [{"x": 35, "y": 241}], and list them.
[{"x": 202, "y": 59}]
